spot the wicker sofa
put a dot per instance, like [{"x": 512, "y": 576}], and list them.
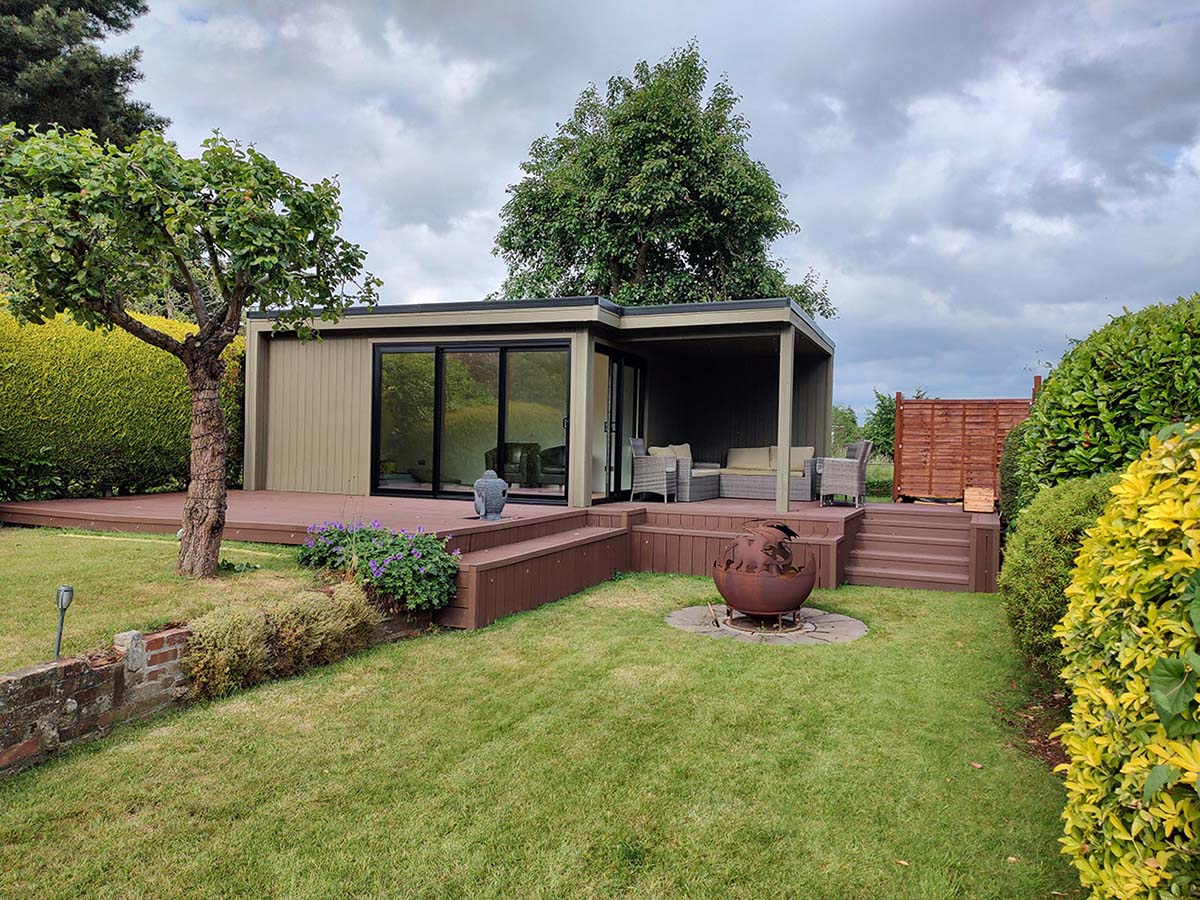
[{"x": 749, "y": 473}]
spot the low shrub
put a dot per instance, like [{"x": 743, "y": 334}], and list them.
[
  {"x": 1110, "y": 392},
  {"x": 238, "y": 646},
  {"x": 404, "y": 570},
  {"x": 1037, "y": 566},
  {"x": 315, "y": 628},
  {"x": 1131, "y": 638},
  {"x": 1009, "y": 477},
  {"x": 30, "y": 476},
  {"x": 226, "y": 651}
]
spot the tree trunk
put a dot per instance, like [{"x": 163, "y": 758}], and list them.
[{"x": 204, "y": 510}]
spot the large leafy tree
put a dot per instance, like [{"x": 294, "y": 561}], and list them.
[
  {"x": 880, "y": 425},
  {"x": 647, "y": 194},
  {"x": 52, "y": 70},
  {"x": 87, "y": 228}
]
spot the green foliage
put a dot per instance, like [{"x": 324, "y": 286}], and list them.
[
  {"x": 1038, "y": 560},
  {"x": 1131, "y": 638},
  {"x": 317, "y": 628},
  {"x": 400, "y": 570},
  {"x": 227, "y": 650},
  {"x": 880, "y": 425},
  {"x": 86, "y": 226},
  {"x": 1098, "y": 407},
  {"x": 647, "y": 194},
  {"x": 1010, "y": 483},
  {"x": 236, "y": 645},
  {"x": 846, "y": 429},
  {"x": 28, "y": 475},
  {"x": 105, "y": 411},
  {"x": 879, "y": 477},
  {"x": 53, "y": 71}
]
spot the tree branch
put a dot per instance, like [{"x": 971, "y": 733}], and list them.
[
  {"x": 114, "y": 310},
  {"x": 215, "y": 261},
  {"x": 193, "y": 289}
]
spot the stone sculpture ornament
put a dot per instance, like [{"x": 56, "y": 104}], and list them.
[{"x": 491, "y": 493}]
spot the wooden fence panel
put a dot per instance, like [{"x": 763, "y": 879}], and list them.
[{"x": 945, "y": 446}]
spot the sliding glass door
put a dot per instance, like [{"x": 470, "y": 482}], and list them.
[
  {"x": 444, "y": 414},
  {"x": 616, "y": 418}
]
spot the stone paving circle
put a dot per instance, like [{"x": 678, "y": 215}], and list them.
[{"x": 817, "y": 627}]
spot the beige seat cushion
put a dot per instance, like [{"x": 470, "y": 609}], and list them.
[
  {"x": 661, "y": 451},
  {"x": 770, "y": 473},
  {"x": 800, "y": 455},
  {"x": 683, "y": 451},
  {"x": 704, "y": 473},
  {"x": 749, "y": 458}
]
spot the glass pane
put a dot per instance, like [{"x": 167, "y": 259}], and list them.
[
  {"x": 406, "y": 421},
  {"x": 600, "y": 430},
  {"x": 630, "y": 394},
  {"x": 535, "y": 414},
  {"x": 470, "y": 416}
]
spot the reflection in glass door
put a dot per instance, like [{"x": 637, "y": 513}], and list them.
[
  {"x": 616, "y": 418},
  {"x": 444, "y": 414}
]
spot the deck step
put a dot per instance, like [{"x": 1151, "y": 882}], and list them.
[
  {"x": 908, "y": 560},
  {"x": 884, "y": 576},
  {"x": 509, "y": 554},
  {"x": 915, "y": 542}
]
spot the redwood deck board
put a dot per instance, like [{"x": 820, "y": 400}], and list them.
[{"x": 541, "y": 553}]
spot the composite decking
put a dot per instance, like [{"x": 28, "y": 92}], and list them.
[{"x": 539, "y": 553}]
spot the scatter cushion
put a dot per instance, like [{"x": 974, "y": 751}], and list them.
[
  {"x": 749, "y": 458},
  {"x": 661, "y": 451},
  {"x": 683, "y": 451}
]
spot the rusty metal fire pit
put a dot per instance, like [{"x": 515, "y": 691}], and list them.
[{"x": 760, "y": 578}]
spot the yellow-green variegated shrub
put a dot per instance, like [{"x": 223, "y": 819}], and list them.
[{"x": 1130, "y": 639}]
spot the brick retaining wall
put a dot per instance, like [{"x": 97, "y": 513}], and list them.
[{"x": 47, "y": 707}]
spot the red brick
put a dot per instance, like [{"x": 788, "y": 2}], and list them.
[
  {"x": 176, "y": 636},
  {"x": 154, "y": 643},
  {"x": 153, "y": 674},
  {"x": 165, "y": 656},
  {"x": 17, "y": 752}
]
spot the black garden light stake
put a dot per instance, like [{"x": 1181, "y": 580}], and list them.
[{"x": 63, "y": 599}]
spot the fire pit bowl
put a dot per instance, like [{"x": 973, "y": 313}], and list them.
[
  {"x": 757, "y": 574},
  {"x": 763, "y": 593}
]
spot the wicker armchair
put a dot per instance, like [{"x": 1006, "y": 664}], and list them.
[
  {"x": 846, "y": 477},
  {"x": 652, "y": 474},
  {"x": 696, "y": 486}
]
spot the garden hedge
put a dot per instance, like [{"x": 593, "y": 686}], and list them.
[
  {"x": 1110, "y": 392},
  {"x": 106, "y": 411},
  {"x": 1131, "y": 638},
  {"x": 1038, "y": 560},
  {"x": 1009, "y": 478}
]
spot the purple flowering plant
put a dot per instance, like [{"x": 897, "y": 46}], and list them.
[{"x": 399, "y": 570}]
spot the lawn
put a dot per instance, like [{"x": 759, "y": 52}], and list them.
[
  {"x": 585, "y": 749},
  {"x": 121, "y": 581}
]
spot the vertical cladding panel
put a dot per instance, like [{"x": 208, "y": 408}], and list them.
[{"x": 318, "y": 420}]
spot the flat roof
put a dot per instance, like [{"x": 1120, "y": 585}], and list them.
[{"x": 579, "y": 310}]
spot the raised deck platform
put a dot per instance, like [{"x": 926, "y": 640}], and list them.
[{"x": 542, "y": 553}]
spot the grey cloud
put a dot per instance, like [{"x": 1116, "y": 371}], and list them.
[{"x": 979, "y": 182}]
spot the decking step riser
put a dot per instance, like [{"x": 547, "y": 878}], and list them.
[
  {"x": 916, "y": 547},
  {"x": 893, "y": 581},
  {"x": 914, "y": 564},
  {"x": 952, "y": 532}
]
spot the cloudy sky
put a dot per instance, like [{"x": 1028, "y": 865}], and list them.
[{"x": 979, "y": 182}]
